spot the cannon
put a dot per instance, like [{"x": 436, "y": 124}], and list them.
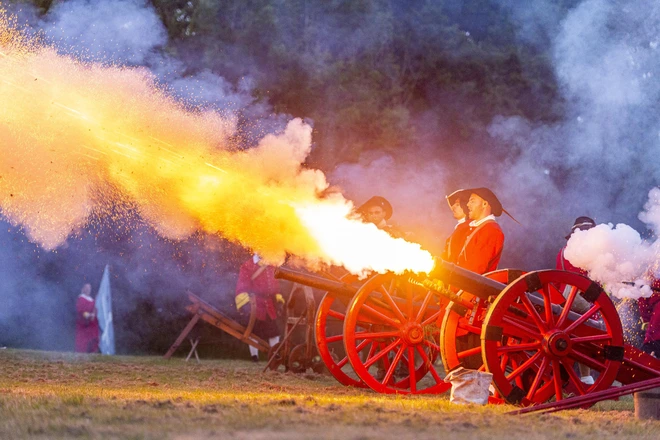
[{"x": 524, "y": 328}]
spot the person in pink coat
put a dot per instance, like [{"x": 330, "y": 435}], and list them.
[{"x": 87, "y": 326}]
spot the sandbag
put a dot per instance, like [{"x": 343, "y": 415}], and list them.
[{"x": 469, "y": 386}]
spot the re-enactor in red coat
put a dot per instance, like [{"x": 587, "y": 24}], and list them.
[
  {"x": 581, "y": 224},
  {"x": 87, "y": 326},
  {"x": 580, "y": 305},
  {"x": 458, "y": 204},
  {"x": 564, "y": 264},
  {"x": 482, "y": 249},
  {"x": 259, "y": 279},
  {"x": 649, "y": 309}
]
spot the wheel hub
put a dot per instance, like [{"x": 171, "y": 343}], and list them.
[
  {"x": 413, "y": 333},
  {"x": 557, "y": 343}
]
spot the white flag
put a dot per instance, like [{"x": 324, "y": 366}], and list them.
[{"x": 104, "y": 314}]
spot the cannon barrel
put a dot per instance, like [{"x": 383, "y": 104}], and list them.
[
  {"x": 317, "y": 282},
  {"x": 447, "y": 273},
  {"x": 464, "y": 279}
]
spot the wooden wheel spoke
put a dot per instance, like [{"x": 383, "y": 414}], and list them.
[
  {"x": 375, "y": 314},
  {"x": 392, "y": 287},
  {"x": 556, "y": 378},
  {"x": 522, "y": 327},
  {"x": 519, "y": 347},
  {"x": 342, "y": 362},
  {"x": 547, "y": 305},
  {"x": 395, "y": 361},
  {"x": 431, "y": 345},
  {"x": 409, "y": 299},
  {"x": 517, "y": 379},
  {"x": 533, "y": 313},
  {"x": 361, "y": 346},
  {"x": 336, "y": 338},
  {"x": 582, "y": 319},
  {"x": 427, "y": 361},
  {"x": 422, "y": 309},
  {"x": 385, "y": 359},
  {"x": 337, "y": 315},
  {"x": 411, "y": 370},
  {"x": 372, "y": 359},
  {"x": 433, "y": 318},
  {"x": 567, "y": 306},
  {"x": 503, "y": 361},
  {"x": 372, "y": 348},
  {"x": 467, "y": 353},
  {"x": 594, "y": 338},
  {"x": 376, "y": 335},
  {"x": 573, "y": 376},
  {"x": 586, "y": 360},
  {"x": 525, "y": 365},
  {"x": 538, "y": 378},
  {"x": 393, "y": 306}
]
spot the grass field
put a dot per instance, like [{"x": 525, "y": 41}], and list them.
[{"x": 49, "y": 395}]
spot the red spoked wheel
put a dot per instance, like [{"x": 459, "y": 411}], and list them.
[
  {"x": 329, "y": 336},
  {"x": 391, "y": 334},
  {"x": 460, "y": 331},
  {"x": 531, "y": 344}
]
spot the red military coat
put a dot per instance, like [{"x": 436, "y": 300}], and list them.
[
  {"x": 455, "y": 242},
  {"x": 649, "y": 309},
  {"x": 87, "y": 329},
  {"x": 482, "y": 249},
  {"x": 564, "y": 264},
  {"x": 265, "y": 287}
]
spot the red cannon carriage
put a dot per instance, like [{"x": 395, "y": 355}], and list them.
[{"x": 523, "y": 328}]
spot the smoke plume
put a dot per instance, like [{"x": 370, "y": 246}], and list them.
[{"x": 614, "y": 255}]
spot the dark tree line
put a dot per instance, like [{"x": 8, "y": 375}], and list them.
[{"x": 363, "y": 70}]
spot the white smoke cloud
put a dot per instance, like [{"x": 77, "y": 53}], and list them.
[
  {"x": 614, "y": 255},
  {"x": 651, "y": 213},
  {"x": 601, "y": 159},
  {"x": 116, "y": 31}
]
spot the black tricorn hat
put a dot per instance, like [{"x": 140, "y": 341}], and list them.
[
  {"x": 491, "y": 198},
  {"x": 377, "y": 201},
  {"x": 582, "y": 223},
  {"x": 495, "y": 205},
  {"x": 460, "y": 194}
]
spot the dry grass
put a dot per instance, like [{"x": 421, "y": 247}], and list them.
[{"x": 60, "y": 395}]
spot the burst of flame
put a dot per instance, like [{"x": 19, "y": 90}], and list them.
[
  {"x": 361, "y": 247},
  {"x": 76, "y": 138}
]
